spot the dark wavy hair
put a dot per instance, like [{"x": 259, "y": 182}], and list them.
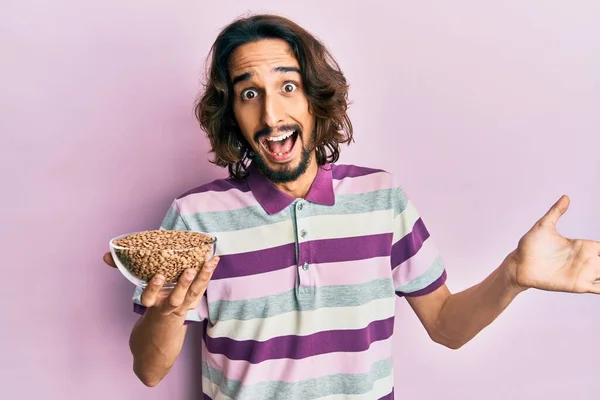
[{"x": 324, "y": 85}]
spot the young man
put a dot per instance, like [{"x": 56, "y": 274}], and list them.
[{"x": 311, "y": 254}]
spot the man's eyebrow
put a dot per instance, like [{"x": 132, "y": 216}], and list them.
[
  {"x": 247, "y": 75},
  {"x": 240, "y": 78},
  {"x": 286, "y": 69}
]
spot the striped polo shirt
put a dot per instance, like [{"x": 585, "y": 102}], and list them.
[{"x": 302, "y": 303}]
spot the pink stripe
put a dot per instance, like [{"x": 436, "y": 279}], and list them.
[
  {"x": 416, "y": 265},
  {"x": 288, "y": 370},
  {"x": 253, "y": 286},
  {"x": 364, "y": 184},
  {"x": 352, "y": 272},
  {"x": 283, "y": 280},
  {"x": 216, "y": 201}
]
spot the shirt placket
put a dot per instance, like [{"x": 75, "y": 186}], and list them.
[{"x": 306, "y": 277}]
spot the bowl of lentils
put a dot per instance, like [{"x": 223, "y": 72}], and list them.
[{"x": 141, "y": 255}]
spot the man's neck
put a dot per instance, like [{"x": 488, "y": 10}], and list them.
[{"x": 300, "y": 187}]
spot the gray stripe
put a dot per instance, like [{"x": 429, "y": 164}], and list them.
[
  {"x": 399, "y": 199},
  {"x": 310, "y": 299},
  {"x": 358, "y": 203},
  {"x": 348, "y": 384},
  {"x": 173, "y": 221},
  {"x": 427, "y": 278},
  {"x": 251, "y": 217},
  {"x": 226, "y": 221}
]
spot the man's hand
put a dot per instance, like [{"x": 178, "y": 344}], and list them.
[
  {"x": 548, "y": 261},
  {"x": 183, "y": 297}
]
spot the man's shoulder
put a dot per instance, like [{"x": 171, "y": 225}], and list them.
[
  {"x": 222, "y": 186},
  {"x": 341, "y": 172}
]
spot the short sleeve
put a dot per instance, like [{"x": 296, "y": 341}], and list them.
[
  {"x": 417, "y": 266},
  {"x": 174, "y": 221}
]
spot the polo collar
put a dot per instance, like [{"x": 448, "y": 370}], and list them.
[{"x": 274, "y": 200}]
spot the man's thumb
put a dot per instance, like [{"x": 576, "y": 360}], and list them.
[
  {"x": 555, "y": 212},
  {"x": 109, "y": 260}
]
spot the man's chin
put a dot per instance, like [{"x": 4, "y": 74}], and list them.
[{"x": 283, "y": 172}]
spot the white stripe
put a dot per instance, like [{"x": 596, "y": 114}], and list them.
[
  {"x": 305, "y": 322},
  {"x": 404, "y": 222},
  {"x": 345, "y": 225},
  {"x": 257, "y": 238}
]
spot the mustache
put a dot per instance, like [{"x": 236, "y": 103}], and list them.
[{"x": 267, "y": 131}]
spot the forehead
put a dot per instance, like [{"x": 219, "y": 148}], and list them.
[{"x": 261, "y": 56}]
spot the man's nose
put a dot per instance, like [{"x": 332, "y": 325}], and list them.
[{"x": 273, "y": 112}]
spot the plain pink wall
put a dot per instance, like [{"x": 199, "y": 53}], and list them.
[{"x": 488, "y": 111}]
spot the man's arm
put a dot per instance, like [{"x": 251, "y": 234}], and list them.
[
  {"x": 452, "y": 320},
  {"x": 155, "y": 344},
  {"x": 157, "y": 337},
  {"x": 543, "y": 260}
]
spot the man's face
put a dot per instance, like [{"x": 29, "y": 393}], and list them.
[{"x": 271, "y": 108}]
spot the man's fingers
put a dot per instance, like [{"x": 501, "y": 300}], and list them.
[
  {"x": 185, "y": 292},
  {"x": 595, "y": 289},
  {"x": 175, "y": 299},
  {"x": 198, "y": 287},
  {"x": 109, "y": 260},
  {"x": 555, "y": 212},
  {"x": 151, "y": 293}
]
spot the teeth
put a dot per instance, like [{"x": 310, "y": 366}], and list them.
[
  {"x": 279, "y": 154},
  {"x": 280, "y": 138}
]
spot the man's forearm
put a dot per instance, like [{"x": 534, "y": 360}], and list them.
[
  {"x": 466, "y": 313},
  {"x": 155, "y": 343}
]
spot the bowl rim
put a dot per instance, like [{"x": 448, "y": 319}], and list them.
[{"x": 117, "y": 247}]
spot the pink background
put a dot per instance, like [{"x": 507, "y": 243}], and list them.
[{"x": 489, "y": 112}]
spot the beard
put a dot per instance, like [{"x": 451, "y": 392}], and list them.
[{"x": 285, "y": 173}]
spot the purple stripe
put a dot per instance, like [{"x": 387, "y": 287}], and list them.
[
  {"x": 139, "y": 309},
  {"x": 426, "y": 290},
  {"x": 255, "y": 262},
  {"x": 352, "y": 171},
  {"x": 205, "y": 397},
  {"x": 299, "y": 347},
  {"x": 345, "y": 249},
  {"x": 219, "y": 185},
  {"x": 388, "y": 396},
  {"x": 317, "y": 251},
  {"x": 410, "y": 244}
]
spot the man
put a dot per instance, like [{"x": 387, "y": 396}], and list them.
[{"x": 311, "y": 254}]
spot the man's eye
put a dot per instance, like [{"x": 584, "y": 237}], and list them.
[
  {"x": 248, "y": 94},
  {"x": 289, "y": 87}
]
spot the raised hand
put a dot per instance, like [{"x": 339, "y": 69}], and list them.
[{"x": 548, "y": 261}]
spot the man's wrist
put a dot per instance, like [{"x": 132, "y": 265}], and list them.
[
  {"x": 154, "y": 316},
  {"x": 510, "y": 267}
]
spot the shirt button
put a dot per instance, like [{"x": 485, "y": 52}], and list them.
[
  {"x": 305, "y": 266},
  {"x": 300, "y": 206},
  {"x": 303, "y": 233}
]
